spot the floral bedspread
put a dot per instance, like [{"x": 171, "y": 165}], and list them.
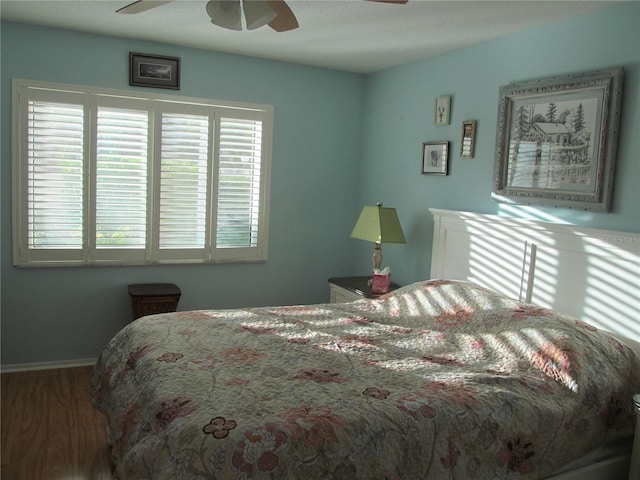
[{"x": 435, "y": 380}]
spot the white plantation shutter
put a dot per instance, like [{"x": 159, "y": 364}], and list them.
[
  {"x": 55, "y": 175},
  {"x": 239, "y": 182},
  {"x": 121, "y": 178},
  {"x": 183, "y": 184},
  {"x": 104, "y": 177}
]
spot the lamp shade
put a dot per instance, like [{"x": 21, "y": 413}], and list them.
[
  {"x": 225, "y": 13},
  {"x": 257, "y": 13},
  {"x": 228, "y": 13},
  {"x": 378, "y": 224}
]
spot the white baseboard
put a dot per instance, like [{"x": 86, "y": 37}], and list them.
[{"x": 28, "y": 367}]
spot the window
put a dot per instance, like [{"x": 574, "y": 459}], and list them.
[{"x": 106, "y": 177}]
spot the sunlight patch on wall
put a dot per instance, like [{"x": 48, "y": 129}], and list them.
[{"x": 529, "y": 213}]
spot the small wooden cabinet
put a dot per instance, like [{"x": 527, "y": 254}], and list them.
[
  {"x": 348, "y": 289},
  {"x": 152, "y": 298}
]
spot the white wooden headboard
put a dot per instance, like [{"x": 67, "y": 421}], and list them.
[{"x": 590, "y": 274}]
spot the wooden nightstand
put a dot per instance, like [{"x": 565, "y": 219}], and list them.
[
  {"x": 348, "y": 289},
  {"x": 152, "y": 298}
]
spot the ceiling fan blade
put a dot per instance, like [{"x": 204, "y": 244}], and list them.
[
  {"x": 142, "y": 6},
  {"x": 285, "y": 20}
]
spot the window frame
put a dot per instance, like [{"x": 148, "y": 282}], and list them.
[{"x": 92, "y": 98}]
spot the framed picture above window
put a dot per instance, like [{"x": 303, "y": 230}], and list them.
[
  {"x": 154, "y": 71},
  {"x": 557, "y": 140},
  {"x": 435, "y": 158}
]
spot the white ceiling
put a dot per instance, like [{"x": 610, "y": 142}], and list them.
[{"x": 351, "y": 35}]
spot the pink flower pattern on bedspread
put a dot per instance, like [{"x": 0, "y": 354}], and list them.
[{"x": 435, "y": 380}]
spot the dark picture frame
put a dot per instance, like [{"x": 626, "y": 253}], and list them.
[
  {"x": 557, "y": 140},
  {"x": 146, "y": 70},
  {"x": 435, "y": 158}
]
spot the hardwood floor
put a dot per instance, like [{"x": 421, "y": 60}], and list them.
[{"x": 50, "y": 430}]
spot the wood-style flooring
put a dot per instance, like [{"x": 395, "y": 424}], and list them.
[{"x": 50, "y": 430}]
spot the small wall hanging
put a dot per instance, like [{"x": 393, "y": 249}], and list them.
[
  {"x": 467, "y": 144},
  {"x": 435, "y": 158},
  {"x": 442, "y": 108}
]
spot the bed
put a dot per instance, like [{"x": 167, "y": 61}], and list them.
[{"x": 439, "y": 379}]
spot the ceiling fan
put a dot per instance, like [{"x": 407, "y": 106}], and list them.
[{"x": 227, "y": 13}]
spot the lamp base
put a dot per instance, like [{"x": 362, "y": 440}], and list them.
[{"x": 377, "y": 256}]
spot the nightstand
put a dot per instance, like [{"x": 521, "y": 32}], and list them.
[
  {"x": 348, "y": 289},
  {"x": 152, "y": 298}
]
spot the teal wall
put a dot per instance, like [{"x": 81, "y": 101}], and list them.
[
  {"x": 341, "y": 140},
  {"x": 399, "y": 109},
  {"x": 55, "y": 314}
]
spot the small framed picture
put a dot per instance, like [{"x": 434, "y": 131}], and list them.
[
  {"x": 443, "y": 106},
  {"x": 468, "y": 138},
  {"x": 435, "y": 158},
  {"x": 154, "y": 71}
]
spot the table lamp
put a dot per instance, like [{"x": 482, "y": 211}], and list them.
[{"x": 380, "y": 225}]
